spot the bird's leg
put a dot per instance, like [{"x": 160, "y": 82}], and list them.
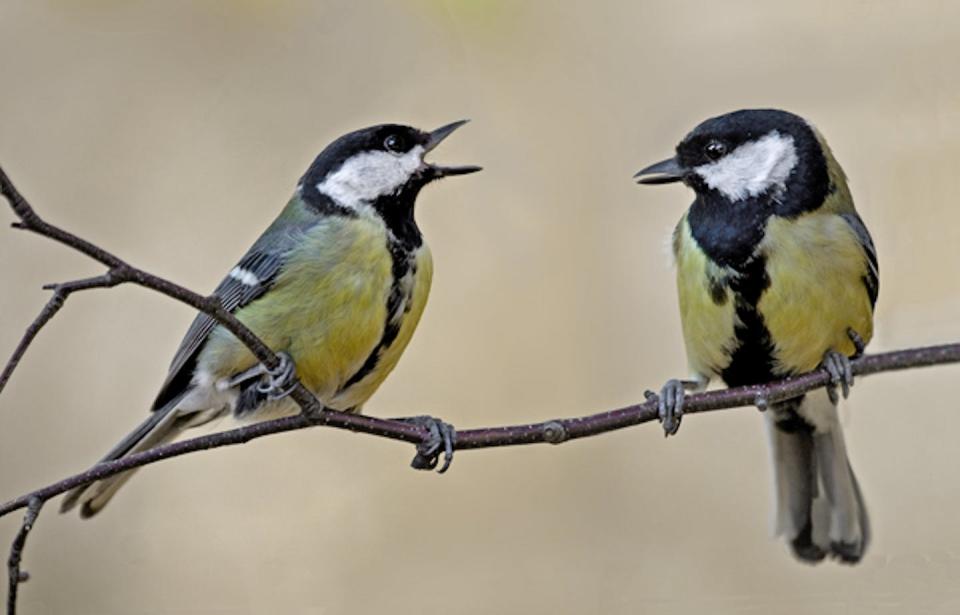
[
  {"x": 670, "y": 404},
  {"x": 441, "y": 439},
  {"x": 837, "y": 365}
]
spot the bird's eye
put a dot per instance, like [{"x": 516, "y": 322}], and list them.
[
  {"x": 715, "y": 149},
  {"x": 395, "y": 144}
]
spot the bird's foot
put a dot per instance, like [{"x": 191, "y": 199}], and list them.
[
  {"x": 670, "y": 404},
  {"x": 274, "y": 383},
  {"x": 279, "y": 381},
  {"x": 841, "y": 374},
  {"x": 441, "y": 439}
]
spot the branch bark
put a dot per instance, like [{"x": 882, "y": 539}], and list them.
[
  {"x": 313, "y": 414},
  {"x": 16, "y": 575}
]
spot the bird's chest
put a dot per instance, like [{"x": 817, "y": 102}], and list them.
[
  {"x": 707, "y": 311},
  {"x": 722, "y": 277},
  {"x": 335, "y": 291},
  {"x": 781, "y": 308},
  {"x": 411, "y": 279},
  {"x": 816, "y": 292}
]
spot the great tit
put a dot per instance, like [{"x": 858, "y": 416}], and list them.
[
  {"x": 336, "y": 286},
  {"x": 776, "y": 275}
]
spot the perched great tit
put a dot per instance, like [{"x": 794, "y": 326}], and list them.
[
  {"x": 336, "y": 286},
  {"x": 777, "y": 275}
]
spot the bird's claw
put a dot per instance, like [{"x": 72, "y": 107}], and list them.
[
  {"x": 279, "y": 381},
  {"x": 841, "y": 374},
  {"x": 858, "y": 344},
  {"x": 441, "y": 439},
  {"x": 274, "y": 383},
  {"x": 670, "y": 406}
]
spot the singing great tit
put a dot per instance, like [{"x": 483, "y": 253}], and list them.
[
  {"x": 336, "y": 286},
  {"x": 777, "y": 275}
]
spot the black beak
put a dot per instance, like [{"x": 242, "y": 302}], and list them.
[
  {"x": 664, "y": 172},
  {"x": 433, "y": 140}
]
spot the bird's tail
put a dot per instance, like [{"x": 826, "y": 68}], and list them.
[
  {"x": 163, "y": 425},
  {"x": 818, "y": 505}
]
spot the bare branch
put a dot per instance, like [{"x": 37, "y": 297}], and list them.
[
  {"x": 60, "y": 294},
  {"x": 553, "y": 431},
  {"x": 18, "y": 576},
  {"x": 30, "y": 221}
]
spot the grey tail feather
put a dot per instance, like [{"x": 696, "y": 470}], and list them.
[
  {"x": 865, "y": 530},
  {"x": 819, "y": 506},
  {"x": 161, "y": 426}
]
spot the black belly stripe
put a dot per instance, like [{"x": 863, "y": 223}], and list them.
[
  {"x": 399, "y": 298},
  {"x": 752, "y": 360}
]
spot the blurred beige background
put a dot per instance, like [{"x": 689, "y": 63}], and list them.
[{"x": 173, "y": 132}]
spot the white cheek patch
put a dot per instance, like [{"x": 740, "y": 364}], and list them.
[
  {"x": 365, "y": 177},
  {"x": 753, "y": 168}
]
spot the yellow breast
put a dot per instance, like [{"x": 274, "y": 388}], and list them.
[
  {"x": 327, "y": 309},
  {"x": 422, "y": 275},
  {"x": 707, "y": 311},
  {"x": 816, "y": 267}
]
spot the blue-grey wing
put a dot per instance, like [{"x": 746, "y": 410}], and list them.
[{"x": 250, "y": 279}]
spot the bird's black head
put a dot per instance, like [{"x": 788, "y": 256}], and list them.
[
  {"x": 370, "y": 166},
  {"x": 770, "y": 157}
]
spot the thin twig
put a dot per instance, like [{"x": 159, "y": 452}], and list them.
[
  {"x": 60, "y": 294},
  {"x": 18, "y": 576}
]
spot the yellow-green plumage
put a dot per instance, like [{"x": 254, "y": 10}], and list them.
[
  {"x": 708, "y": 325},
  {"x": 816, "y": 265},
  {"x": 328, "y": 310},
  {"x": 362, "y": 390}
]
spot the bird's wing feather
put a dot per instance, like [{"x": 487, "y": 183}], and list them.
[
  {"x": 253, "y": 276},
  {"x": 872, "y": 278},
  {"x": 249, "y": 280}
]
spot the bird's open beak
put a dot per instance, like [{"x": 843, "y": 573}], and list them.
[
  {"x": 438, "y": 135},
  {"x": 664, "y": 172}
]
